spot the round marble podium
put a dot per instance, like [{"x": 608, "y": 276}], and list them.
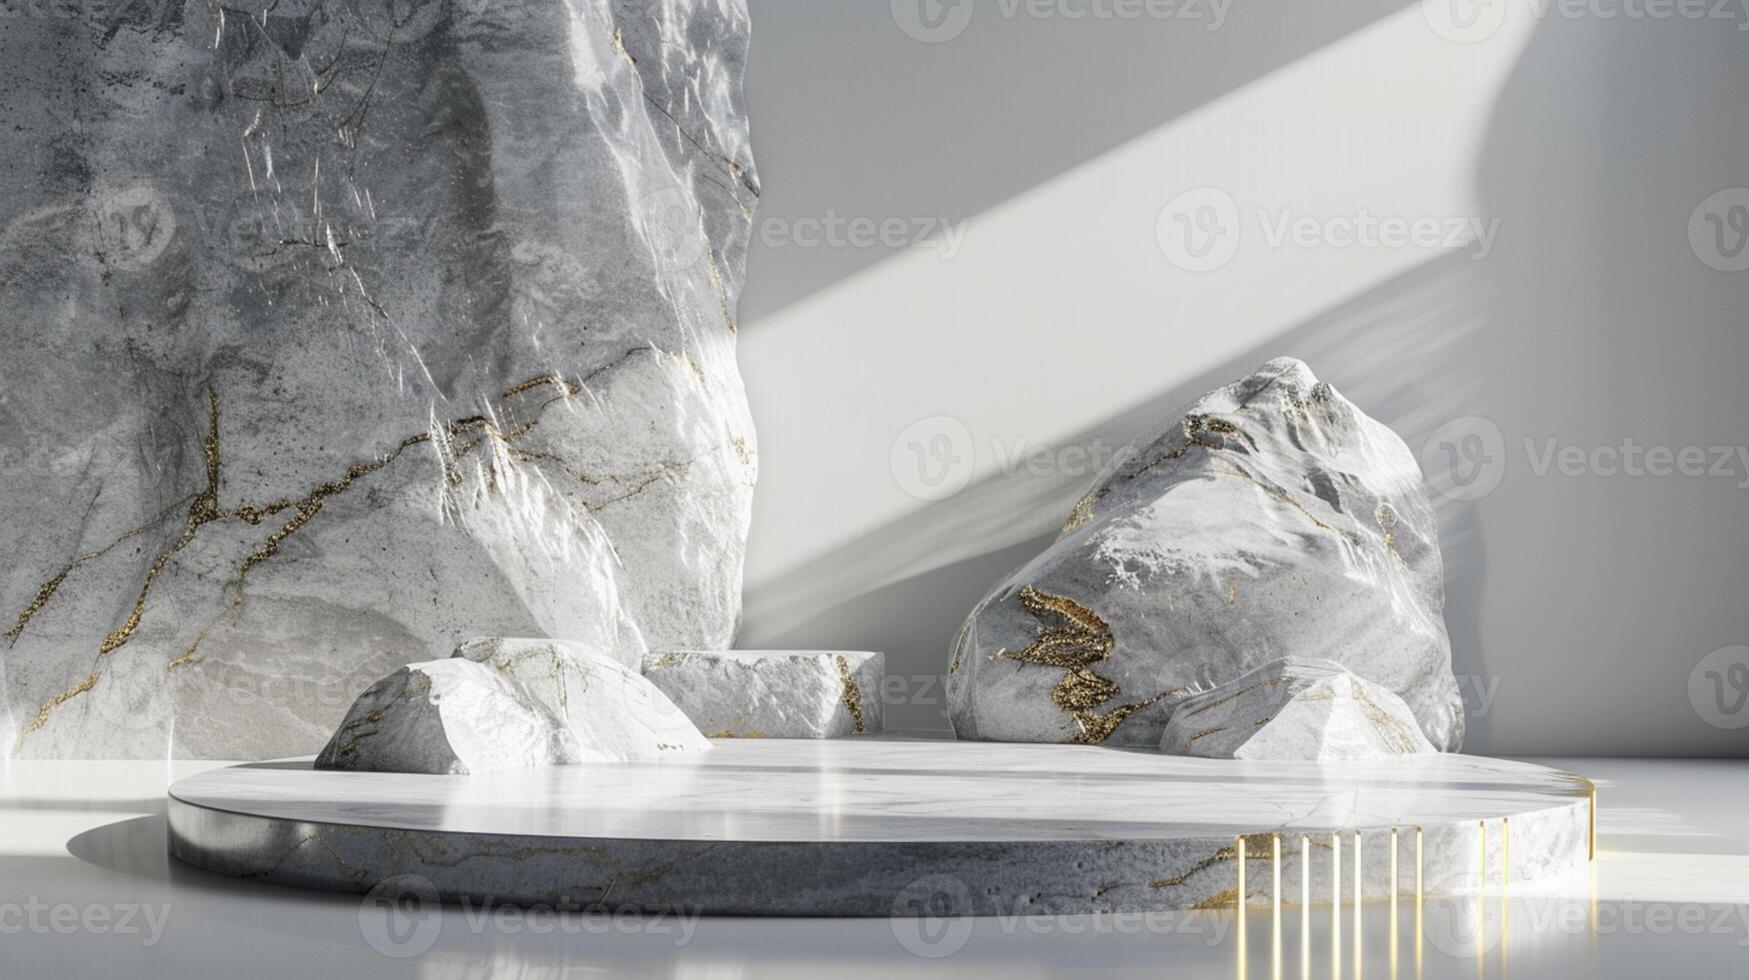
[{"x": 888, "y": 826}]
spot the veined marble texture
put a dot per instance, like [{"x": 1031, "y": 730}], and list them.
[
  {"x": 340, "y": 332},
  {"x": 1294, "y": 709},
  {"x": 774, "y": 693},
  {"x": 447, "y": 716},
  {"x": 1270, "y": 518},
  {"x": 503, "y": 703},
  {"x": 611, "y": 712},
  {"x": 881, "y": 826}
]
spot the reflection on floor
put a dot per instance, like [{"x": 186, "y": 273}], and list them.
[{"x": 88, "y": 889}]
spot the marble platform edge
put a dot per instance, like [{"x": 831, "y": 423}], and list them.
[{"x": 870, "y": 879}]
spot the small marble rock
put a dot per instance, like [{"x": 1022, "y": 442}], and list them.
[
  {"x": 610, "y": 712},
  {"x": 1311, "y": 710},
  {"x": 450, "y": 717},
  {"x": 1270, "y": 518},
  {"x": 774, "y": 693}
]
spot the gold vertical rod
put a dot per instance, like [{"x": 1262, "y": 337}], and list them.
[
  {"x": 1358, "y": 895},
  {"x": 1335, "y": 904},
  {"x": 1591, "y": 845},
  {"x": 1239, "y": 843},
  {"x": 1420, "y": 938},
  {"x": 1482, "y": 841},
  {"x": 1275, "y": 907},
  {"x": 1239, "y": 905},
  {"x": 1505, "y": 852},
  {"x": 1505, "y": 893},
  {"x": 1394, "y": 927},
  {"x": 1305, "y": 907},
  {"x": 1481, "y": 900}
]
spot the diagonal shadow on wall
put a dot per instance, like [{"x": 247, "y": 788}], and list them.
[{"x": 951, "y": 129}]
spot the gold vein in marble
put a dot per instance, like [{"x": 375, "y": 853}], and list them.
[
  {"x": 1227, "y": 853},
  {"x": 1199, "y": 709},
  {"x": 619, "y": 45},
  {"x": 1196, "y": 427},
  {"x": 1387, "y": 519},
  {"x": 716, "y": 278},
  {"x": 204, "y": 509},
  {"x": 852, "y": 696},
  {"x": 1193, "y": 426},
  {"x": 1074, "y": 638},
  {"x": 48, "y": 589}
]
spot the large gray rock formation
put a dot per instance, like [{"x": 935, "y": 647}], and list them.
[
  {"x": 1271, "y": 518},
  {"x": 340, "y": 331},
  {"x": 1310, "y": 710},
  {"x": 774, "y": 693},
  {"x": 611, "y": 712}
]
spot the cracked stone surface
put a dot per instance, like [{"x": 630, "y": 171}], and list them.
[
  {"x": 610, "y": 712},
  {"x": 1270, "y": 518},
  {"x": 1311, "y": 710},
  {"x": 774, "y": 693},
  {"x": 453, "y": 717},
  {"x": 340, "y": 336}
]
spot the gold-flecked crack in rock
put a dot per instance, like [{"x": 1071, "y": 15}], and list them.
[
  {"x": 1074, "y": 638},
  {"x": 460, "y": 436}
]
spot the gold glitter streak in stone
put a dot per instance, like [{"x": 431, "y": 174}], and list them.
[
  {"x": 204, "y": 509},
  {"x": 1074, "y": 638},
  {"x": 852, "y": 694}
]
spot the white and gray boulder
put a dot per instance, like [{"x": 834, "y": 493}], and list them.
[
  {"x": 1310, "y": 710},
  {"x": 339, "y": 331},
  {"x": 1270, "y": 518},
  {"x": 453, "y": 717},
  {"x": 774, "y": 693},
  {"x": 609, "y": 711}
]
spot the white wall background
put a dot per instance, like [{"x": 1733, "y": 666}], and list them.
[{"x": 1579, "y": 605}]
